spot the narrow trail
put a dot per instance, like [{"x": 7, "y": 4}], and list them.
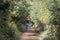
[{"x": 30, "y": 36}]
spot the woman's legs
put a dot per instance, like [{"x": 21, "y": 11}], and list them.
[{"x": 27, "y": 29}]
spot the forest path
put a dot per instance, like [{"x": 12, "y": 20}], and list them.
[{"x": 30, "y": 36}]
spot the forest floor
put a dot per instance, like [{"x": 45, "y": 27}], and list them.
[{"x": 30, "y": 35}]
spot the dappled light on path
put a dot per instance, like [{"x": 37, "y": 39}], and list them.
[{"x": 30, "y": 36}]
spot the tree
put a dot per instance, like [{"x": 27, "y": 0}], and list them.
[
  {"x": 10, "y": 18},
  {"x": 56, "y": 14}
]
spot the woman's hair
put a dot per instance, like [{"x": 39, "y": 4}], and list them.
[{"x": 27, "y": 21}]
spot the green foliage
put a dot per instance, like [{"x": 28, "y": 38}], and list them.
[
  {"x": 55, "y": 12},
  {"x": 19, "y": 13},
  {"x": 48, "y": 13},
  {"x": 51, "y": 8},
  {"x": 44, "y": 13},
  {"x": 13, "y": 14}
]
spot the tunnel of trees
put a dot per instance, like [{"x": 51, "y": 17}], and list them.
[{"x": 44, "y": 13}]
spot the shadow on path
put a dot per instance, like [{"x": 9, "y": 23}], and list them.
[{"x": 30, "y": 36}]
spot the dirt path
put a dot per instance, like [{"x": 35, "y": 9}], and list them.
[{"x": 30, "y": 36}]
